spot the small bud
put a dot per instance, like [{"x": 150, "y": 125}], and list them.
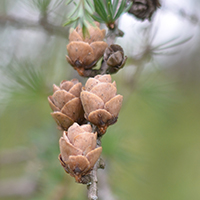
[
  {"x": 101, "y": 102},
  {"x": 66, "y": 104},
  {"x": 84, "y": 52},
  {"x": 114, "y": 57},
  {"x": 78, "y": 152}
]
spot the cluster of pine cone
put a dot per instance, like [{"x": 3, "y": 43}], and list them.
[{"x": 83, "y": 113}]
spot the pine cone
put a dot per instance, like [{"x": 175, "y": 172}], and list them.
[
  {"x": 114, "y": 57},
  {"x": 144, "y": 9},
  {"x": 65, "y": 103},
  {"x": 100, "y": 101},
  {"x": 77, "y": 150},
  {"x": 83, "y": 53}
]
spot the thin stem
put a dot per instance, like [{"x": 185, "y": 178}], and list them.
[{"x": 93, "y": 185}]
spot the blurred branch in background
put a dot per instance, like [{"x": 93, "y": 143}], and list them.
[
  {"x": 22, "y": 23},
  {"x": 105, "y": 191},
  {"x": 148, "y": 52},
  {"x": 20, "y": 187},
  {"x": 23, "y": 186},
  {"x": 45, "y": 8},
  {"x": 8, "y": 156},
  {"x": 155, "y": 145},
  {"x": 183, "y": 12}
]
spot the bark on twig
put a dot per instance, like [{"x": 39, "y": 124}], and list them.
[{"x": 93, "y": 185}]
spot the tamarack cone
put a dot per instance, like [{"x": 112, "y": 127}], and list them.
[
  {"x": 101, "y": 102},
  {"x": 66, "y": 104},
  {"x": 85, "y": 51},
  {"x": 78, "y": 152}
]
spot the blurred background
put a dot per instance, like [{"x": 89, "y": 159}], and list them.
[{"x": 152, "y": 152}]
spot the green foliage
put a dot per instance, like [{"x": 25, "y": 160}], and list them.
[
  {"x": 45, "y": 6},
  {"x": 42, "y": 5},
  {"x": 108, "y": 12},
  {"x": 80, "y": 14},
  {"x": 85, "y": 11},
  {"x": 159, "y": 153},
  {"x": 26, "y": 81}
]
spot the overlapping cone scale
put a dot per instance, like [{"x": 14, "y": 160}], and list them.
[
  {"x": 144, "y": 9},
  {"x": 84, "y": 52},
  {"x": 100, "y": 100},
  {"x": 114, "y": 58},
  {"x": 78, "y": 152},
  {"x": 66, "y": 104}
]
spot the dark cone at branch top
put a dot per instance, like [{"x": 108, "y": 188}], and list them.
[
  {"x": 66, "y": 104},
  {"x": 114, "y": 58},
  {"x": 144, "y": 9},
  {"x": 78, "y": 152},
  {"x": 84, "y": 52},
  {"x": 101, "y": 102}
]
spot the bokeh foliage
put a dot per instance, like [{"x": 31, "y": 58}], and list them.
[{"x": 152, "y": 152}]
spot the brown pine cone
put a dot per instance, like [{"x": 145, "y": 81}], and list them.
[
  {"x": 101, "y": 102},
  {"x": 66, "y": 104},
  {"x": 78, "y": 152},
  {"x": 144, "y": 9},
  {"x": 114, "y": 58},
  {"x": 83, "y": 53}
]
